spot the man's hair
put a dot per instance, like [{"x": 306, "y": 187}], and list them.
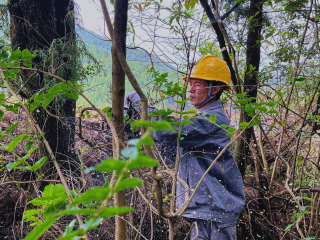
[{"x": 216, "y": 83}]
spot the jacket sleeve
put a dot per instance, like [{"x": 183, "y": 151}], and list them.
[{"x": 196, "y": 134}]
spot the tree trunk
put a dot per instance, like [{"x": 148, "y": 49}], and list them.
[
  {"x": 250, "y": 80},
  {"x": 34, "y": 25},
  {"x": 222, "y": 43},
  {"x": 118, "y": 93}
]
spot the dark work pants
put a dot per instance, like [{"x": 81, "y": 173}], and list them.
[{"x": 208, "y": 230}]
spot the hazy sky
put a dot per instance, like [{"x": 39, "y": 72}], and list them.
[
  {"x": 157, "y": 39},
  {"x": 91, "y": 15}
]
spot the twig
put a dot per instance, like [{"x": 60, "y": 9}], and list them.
[{"x": 22, "y": 182}]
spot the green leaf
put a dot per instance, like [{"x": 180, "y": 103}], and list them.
[
  {"x": 15, "y": 142},
  {"x": 74, "y": 211},
  {"x": 31, "y": 212},
  {"x": 273, "y": 111},
  {"x": 130, "y": 152},
  {"x": 12, "y": 165},
  {"x": 48, "y": 193},
  {"x": 134, "y": 142},
  {"x": 69, "y": 228},
  {"x": 26, "y": 54},
  {"x": 53, "y": 207},
  {"x": 141, "y": 123},
  {"x": 161, "y": 112},
  {"x": 109, "y": 165},
  {"x": 92, "y": 224},
  {"x": 254, "y": 123},
  {"x": 93, "y": 194},
  {"x": 41, "y": 229},
  {"x": 106, "y": 110},
  {"x": 28, "y": 145},
  {"x": 127, "y": 183},
  {"x": 241, "y": 107},
  {"x": 14, "y": 70},
  {"x": 309, "y": 199},
  {"x": 161, "y": 125},
  {"x": 69, "y": 91},
  {"x": 27, "y": 63},
  {"x": 2, "y": 97},
  {"x": 223, "y": 126},
  {"x": 27, "y": 168},
  {"x": 263, "y": 109},
  {"x": 39, "y": 163},
  {"x": 243, "y": 125},
  {"x": 106, "y": 184},
  {"x": 299, "y": 79},
  {"x": 74, "y": 193},
  {"x": 59, "y": 192},
  {"x": 250, "y": 108},
  {"x": 3, "y": 54},
  {"x": 142, "y": 161},
  {"x": 73, "y": 235},
  {"x": 272, "y": 124},
  {"x": 288, "y": 227},
  {"x": 242, "y": 101},
  {"x": 12, "y": 127},
  {"x": 1, "y": 114},
  {"x": 113, "y": 211},
  {"x": 15, "y": 55},
  {"x": 30, "y": 152},
  {"x": 240, "y": 95},
  {"x": 270, "y": 104},
  {"x": 13, "y": 108},
  {"x": 146, "y": 138},
  {"x": 230, "y": 130},
  {"x": 47, "y": 101},
  {"x": 33, "y": 106},
  {"x": 213, "y": 118},
  {"x": 250, "y": 98},
  {"x": 39, "y": 136},
  {"x": 7, "y": 63}
]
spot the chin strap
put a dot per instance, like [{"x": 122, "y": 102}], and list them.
[{"x": 209, "y": 98}]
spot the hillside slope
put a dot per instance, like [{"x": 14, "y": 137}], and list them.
[{"x": 98, "y": 88}]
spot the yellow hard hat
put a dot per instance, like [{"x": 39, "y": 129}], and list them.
[{"x": 211, "y": 68}]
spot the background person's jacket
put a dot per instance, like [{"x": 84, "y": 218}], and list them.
[{"x": 220, "y": 197}]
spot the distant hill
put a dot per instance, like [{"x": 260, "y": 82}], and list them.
[{"x": 98, "y": 88}]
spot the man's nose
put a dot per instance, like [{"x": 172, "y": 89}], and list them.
[{"x": 192, "y": 89}]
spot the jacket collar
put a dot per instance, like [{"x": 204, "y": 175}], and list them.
[{"x": 212, "y": 106}]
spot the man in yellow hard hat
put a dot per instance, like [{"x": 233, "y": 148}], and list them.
[
  {"x": 220, "y": 198},
  {"x": 208, "y": 79}
]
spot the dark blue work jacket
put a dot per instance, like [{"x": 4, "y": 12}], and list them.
[{"x": 220, "y": 197}]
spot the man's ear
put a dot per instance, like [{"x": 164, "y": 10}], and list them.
[{"x": 215, "y": 89}]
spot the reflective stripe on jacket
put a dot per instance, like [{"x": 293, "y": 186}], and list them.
[{"x": 220, "y": 197}]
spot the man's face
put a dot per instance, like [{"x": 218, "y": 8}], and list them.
[{"x": 198, "y": 91}]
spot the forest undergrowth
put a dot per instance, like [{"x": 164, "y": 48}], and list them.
[{"x": 267, "y": 215}]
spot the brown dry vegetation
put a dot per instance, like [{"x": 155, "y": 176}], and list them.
[{"x": 265, "y": 215}]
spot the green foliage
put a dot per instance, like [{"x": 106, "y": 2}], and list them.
[
  {"x": 98, "y": 86},
  {"x": 54, "y": 202},
  {"x": 55, "y": 91}
]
